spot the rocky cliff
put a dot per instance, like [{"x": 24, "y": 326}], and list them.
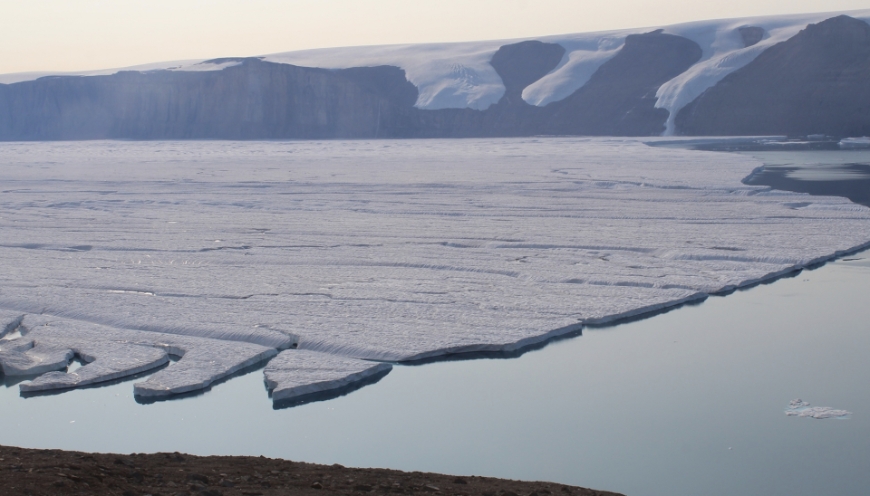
[{"x": 806, "y": 78}]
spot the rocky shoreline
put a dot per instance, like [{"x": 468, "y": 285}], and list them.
[{"x": 49, "y": 472}]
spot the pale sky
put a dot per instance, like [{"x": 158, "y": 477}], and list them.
[{"x": 71, "y": 35}]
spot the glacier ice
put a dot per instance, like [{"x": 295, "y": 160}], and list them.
[
  {"x": 800, "y": 408},
  {"x": 227, "y": 253}
]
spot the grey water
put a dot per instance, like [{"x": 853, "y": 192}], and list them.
[
  {"x": 686, "y": 402},
  {"x": 835, "y": 173}
]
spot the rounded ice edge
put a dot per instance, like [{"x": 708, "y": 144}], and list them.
[{"x": 296, "y": 373}]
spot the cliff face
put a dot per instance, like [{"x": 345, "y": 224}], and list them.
[
  {"x": 813, "y": 83},
  {"x": 253, "y": 100},
  {"x": 620, "y": 97},
  {"x": 817, "y": 82}
]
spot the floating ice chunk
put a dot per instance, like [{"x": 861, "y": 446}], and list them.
[
  {"x": 203, "y": 362},
  {"x": 299, "y": 372},
  {"x": 863, "y": 142},
  {"x": 801, "y": 408}
]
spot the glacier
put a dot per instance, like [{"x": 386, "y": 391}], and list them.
[
  {"x": 330, "y": 260},
  {"x": 459, "y": 75}
]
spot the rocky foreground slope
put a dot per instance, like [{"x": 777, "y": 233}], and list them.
[
  {"x": 792, "y": 75},
  {"x": 53, "y": 472}
]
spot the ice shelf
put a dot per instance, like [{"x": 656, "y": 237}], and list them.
[{"x": 228, "y": 252}]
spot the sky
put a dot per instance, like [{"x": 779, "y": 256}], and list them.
[{"x": 75, "y": 35}]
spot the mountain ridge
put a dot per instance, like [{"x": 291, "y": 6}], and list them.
[{"x": 626, "y": 83}]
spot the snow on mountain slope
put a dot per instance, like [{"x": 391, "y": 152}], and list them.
[
  {"x": 196, "y": 65},
  {"x": 447, "y": 75},
  {"x": 459, "y": 75},
  {"x": 724, "y": 53}
]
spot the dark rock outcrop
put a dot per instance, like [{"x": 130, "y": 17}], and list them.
[
  {"x": 253, "y": 100},
  {"x": 814, "y": 83},
  {"x": 620, "y": 97},
  {"x": 751, "y": 35},
  {"x": 521, "y": 64}
]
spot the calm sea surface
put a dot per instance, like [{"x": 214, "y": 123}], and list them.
[{"x": 689, "y": 402}]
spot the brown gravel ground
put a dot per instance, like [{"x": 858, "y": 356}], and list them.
[{"x": 50, "y": 472}]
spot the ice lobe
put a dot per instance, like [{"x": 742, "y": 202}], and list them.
[
  {"x": 111, "y": 353},
  {"x": 296, "y": 373},
  {"x": 20, "y": 357},
  {"x": 728, "y": 45},
  {"x": 800, "y": 408},
  {"x": 447, "y": 75},
  {"x": 203, "y": 361}
]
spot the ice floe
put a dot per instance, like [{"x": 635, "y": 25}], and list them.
[
  {"x": 110, "y": 353},
  {"x": 800, "y": 408},
  {"x": 295, "y": 373},
  {"x": 225, "y": 253}
]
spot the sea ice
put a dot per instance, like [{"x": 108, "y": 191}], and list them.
[
  {"x": 111, "y": 353},
  {"x": 228, "y": 252},
  {"x": 800, "y": 408},
  {"x": 9, "y": 321},
  {"x": 296, "y": 373}
]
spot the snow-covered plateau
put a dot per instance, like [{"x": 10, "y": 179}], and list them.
[
  {"x": 341, "y": 257},
  {"x": 459, "y": 75}
]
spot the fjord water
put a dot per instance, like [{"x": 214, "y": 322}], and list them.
[
  {"x": 686, "y": 402},
  {"x": 683, "y": 403}
]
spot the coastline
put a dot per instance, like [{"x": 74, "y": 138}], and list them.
[{"x": 38, "y": 472}]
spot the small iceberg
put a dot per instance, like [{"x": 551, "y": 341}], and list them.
[
  {"x": 863, "y": 142},
  {"x": 800, "y": 408}
]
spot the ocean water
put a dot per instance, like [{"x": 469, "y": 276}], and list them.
[{"x": 686, "y": 402}]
